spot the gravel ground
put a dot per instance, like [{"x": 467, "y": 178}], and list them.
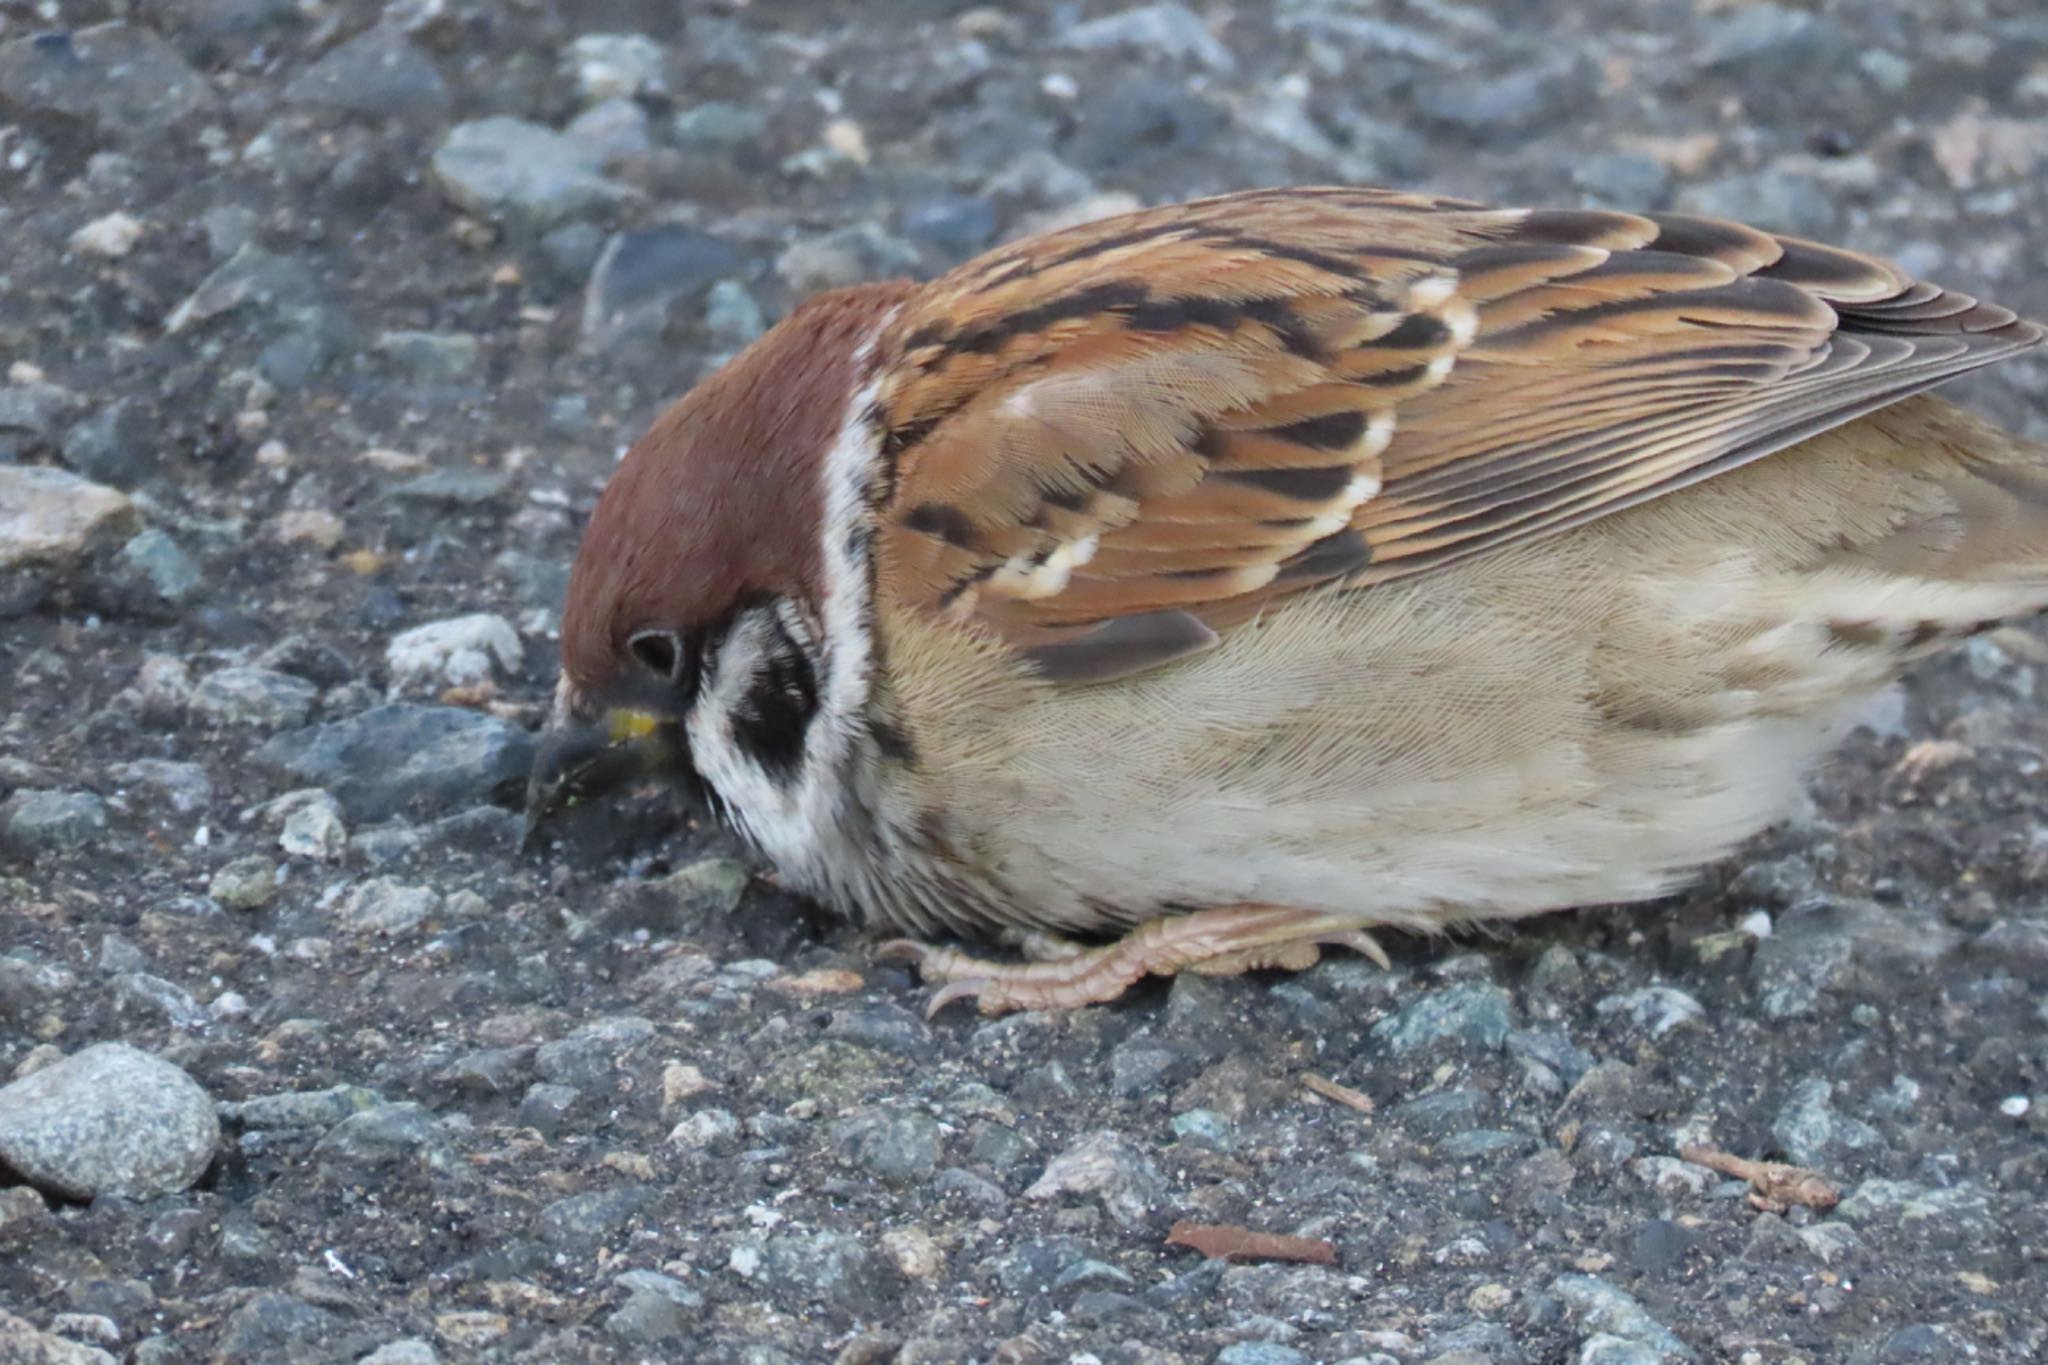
[{"x": 323, "y": 323}]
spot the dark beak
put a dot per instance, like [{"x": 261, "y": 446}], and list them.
[{"x": 584, "y": 760}]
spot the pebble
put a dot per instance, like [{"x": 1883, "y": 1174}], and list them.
[
  {"x": 613, "y": 129},
  {"x": 704, "y": 1129},
  {"x": 1656, "y": 1009},
  {"x": 376, "y": 74},
  {"x": 115, "y": 444},
  {"x": 23, "y": 1343},
  {"x": 615, "y": 65},
  {"x": 387, "y": 907},
  {"x": 34, "y": 821},
  {"x": 838, "y": 1268},
  {"x": 1603, "y": 1309},
  {"x": 259, "y": 697},
  {"x": 524, "y": 172},
  {"x": 125, "y": 80},
  {"x": 1107, "y": 1165},
  {"x": 1472, "y": 1012},
  {"x": 640, "y": 274},
  {"x": 184, "y": 787},
  {"x": 1166, "y": 30},
  {"x": 384, "y": 1135},
  {"x": 314, "y": 828},
  {"x": 156, "y": 565},
  {"x": 405, "y": 1351},
  {"x": 271, "y": 288},
  {"x": 430, "y": 357},
  {"x": 398, "y": 758},
  {"x": 582, "y": 1222},
  {"x": 52, "y": 516},
  {"x": 850, "y": 255},
  {"x": 110, "y": 236},
  {"x": 109, "y": 1119},
  {"x": 592, "y": 1053},
  {"x": 458, "y": 652},
  {"x": 719, "y": 124},
  {"x": 247, "y": 883},
  {"x": 898, "y": 1145},
  {"x": 1811, "y": 1133}
]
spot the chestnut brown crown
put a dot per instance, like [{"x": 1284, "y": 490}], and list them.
[{"x": 722, "y": 501}]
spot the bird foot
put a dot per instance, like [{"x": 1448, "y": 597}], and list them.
[{"x": 1219, "y": 942}]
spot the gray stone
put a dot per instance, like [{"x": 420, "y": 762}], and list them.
[
  {"x": 896, "y": 1145},
  {"x": 615, "y": 65},
  {"x": 523, "y": 172},
  {"x": 1603, "y": 1309},
  {"x": 1623, "y": 180},
  {"x": 613, "y": 130},
  {"x": 52, "y": 516},
  {"x": 385, "y": 906},
  {"x": 277, "y": 1329},
  {"x": 314, "y": 828},
  {"x": 642, "y": 273},
  {"x": 1603, "y": 1348},
  {"x": 1471, "y": 1012},
  {"x": 452, "y": 487},
  {"x": 650, "y": 1318},
  {"x": 719, "y": 124},
  {"x": 705, "y": 1129},
  {"x": 185, "y": 786},
  {"x": 958, "y": 225},
  {"x": 262, "y": 697},
  {"x": 850, "y": 255},
  {"x": 167, "y": 998},
  {"x": 1784, "y": 200},
  {"x": 276, "y": 289},
  {"x": 116, "y": 444},
  {"x": 731, "y": 315},
  {"x": 431, "y": 357},
  {"x": 1810, "y": 1133},
  {"x": 1771, "y": 45},
  {"x": 1163, "y": 30},
  {"x": 22, "y": 1343},
  {"x": 1205, "y": 1128},
  {"x": 29, "y": 413},
  {"x": 581, "y": 1222},
  {"x": 405, "y": 1351},
  {"x": 838, "y": 1268},
  {"x": 124, "y": 80},
  {"x": 156, "y": 565},
  {"x": 1655, "y": 1009},
  {"x": 1260, "y": 1353},
  {"x": 545, "y": 1107},
  {"x": 301, "y": 1108},
  {"x": 592, "y": 1053},
  {"x": 377, "y": 74},
  {"x": 458, "y": 651},
  {"x": 393, "y": 759},
  {"x": 33, "y": 821},
  {"x": 108, "y": 1120},
  {"x": 1104, "y": 1164},
  {"x": 1962, "y": 1211},
  {"x": 384, "y": 1136}
]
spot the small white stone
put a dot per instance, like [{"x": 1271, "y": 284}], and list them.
[
  {"x": 458, "y": 651},
  {"x": 112, "y": 237},
  {"x": 1757, "y": 924},
  {"x": 615, "y": 65},
  {"x": 2015, "y": 1106}
]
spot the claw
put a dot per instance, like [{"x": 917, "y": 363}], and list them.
[
  {"x": 902, "y": 950},
  {"x": 1362, "y": 943},
  {"x": 971, "y": 989}
]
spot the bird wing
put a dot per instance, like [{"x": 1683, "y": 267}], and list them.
[{"x": 1108, "y": 443}]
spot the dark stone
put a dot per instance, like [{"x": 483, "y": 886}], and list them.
[
  {"x": 405, "y": 758},
  {"x": 642, "y": 272},
  {"x": 584, "y": 1221}
]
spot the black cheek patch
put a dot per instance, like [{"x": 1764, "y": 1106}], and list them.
[{"x": 773, "y": 722}]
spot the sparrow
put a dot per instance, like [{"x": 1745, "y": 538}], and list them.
[{"x": 1196, "y": 589}]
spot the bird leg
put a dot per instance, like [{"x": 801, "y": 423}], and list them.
[{"x": 1223, "y": 941}]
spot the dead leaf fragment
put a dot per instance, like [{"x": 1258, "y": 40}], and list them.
[
  {"x": 1777, "y": 1186},
  {"x": 1229, "y": 1242}
]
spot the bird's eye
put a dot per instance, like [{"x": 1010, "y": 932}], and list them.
[{"x": 660, "y": 651}]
